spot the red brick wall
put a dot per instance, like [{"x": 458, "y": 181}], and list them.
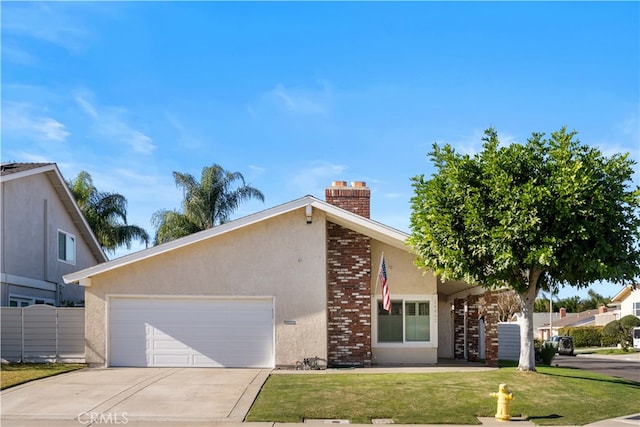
[
  {"x": 348, "y": 297},
  {"x": 353, "y": 199},
  {"x": 458, "y": 327},
  {"x": 491, "y": 318},
  {"x": 473, "y": 328}
]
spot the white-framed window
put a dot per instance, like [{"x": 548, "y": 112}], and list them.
[
  {"x": 66, "y": 247},
  {"x": 25, "y": 301},
  {"x": 636, "y": 309},
  {"x": 411, "y": 321}
]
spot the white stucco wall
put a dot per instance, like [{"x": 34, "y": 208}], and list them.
[
  {"x": 283, "y": 257},
  {"x": 32, "y": 214},
  {"x": 626, "y": 306},
  {"x": 405, "y": 280}
]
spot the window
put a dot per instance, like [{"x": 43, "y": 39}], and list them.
[
  {"x": 66, "y": 247},
  {"x": 25, "y": 301},
  {"x": 408, "y": 321},
  {"x": 636, "y": 309}
]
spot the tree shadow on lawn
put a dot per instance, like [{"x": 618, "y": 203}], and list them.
[
  {"x": 612, "y": 380},
  {"x": 544, "y": 417}
]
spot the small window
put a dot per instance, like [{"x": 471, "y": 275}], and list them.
[
  {"x": 636, "y": 309},
  {"x": 66, "y": 247}
]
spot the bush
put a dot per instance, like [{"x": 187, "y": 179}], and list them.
[
  {"x": 619, "y": 332},
  {"x": 544, "y": 351},
  {"x": 585, "y": 336}
]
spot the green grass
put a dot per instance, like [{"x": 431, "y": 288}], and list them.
[
  {"x": 14, "y": 374},
  {"x": 551, "y": 396}
]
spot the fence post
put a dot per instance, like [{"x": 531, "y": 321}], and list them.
[
  {"x": 22, "y": 335},
  {"x": 57, "y": 336}
]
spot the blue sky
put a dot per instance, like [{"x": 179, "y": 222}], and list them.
[{"x": 295, "y": 95}]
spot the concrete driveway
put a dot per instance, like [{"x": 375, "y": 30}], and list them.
[{"x": 134, "y": 396}]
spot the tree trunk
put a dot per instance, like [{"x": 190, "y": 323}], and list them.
[{"x": 527, "y": 360}]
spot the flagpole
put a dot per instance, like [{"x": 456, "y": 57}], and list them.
[{"x": 378, "y": 274}]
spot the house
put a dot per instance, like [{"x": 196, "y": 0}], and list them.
[
  {"x": 541, "y": 323},
  {"x": 584, "y": 318},
  {"x": 294, "y": 281},
  {"x": 624, "y": 303},
  {"x": 44, "y": 236}
]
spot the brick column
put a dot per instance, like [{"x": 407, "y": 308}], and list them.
[
  {"x": 348, "y": 297},
  {"x": 473, "y": 329},
  {"x": 491, "y": 319},
  {"x": 458, "y": 328}
]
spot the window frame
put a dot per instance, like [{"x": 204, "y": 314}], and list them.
[
  {"x": 635, "y": 308},
  {"x": 433, "y": 321},
  {"x": 67, "y": 236},
  {"x": 29, "y": 300}
]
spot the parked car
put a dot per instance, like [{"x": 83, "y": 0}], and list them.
[{"x": 563, "y": 344}]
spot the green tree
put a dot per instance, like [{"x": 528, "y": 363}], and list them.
[
  {"x": 528, "y": 216},
  {"x": 106, "y": 214},
  {"x": 572, "y": 304},
  {"x": 541, "y": 305},
  {"x": 205, "y": 204},
  {"x": 621, "y": 331},
  {"x": 594, "y": 301}
]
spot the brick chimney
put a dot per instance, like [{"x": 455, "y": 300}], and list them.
[
  {"x": 356, "y": 199},
  {"x": 563, "y": 313},
  {"x": 348, "y": 280},
  {"x": 602, "y": 309}
]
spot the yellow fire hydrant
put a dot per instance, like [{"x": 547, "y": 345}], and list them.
[{"x": 504, "y": 398}]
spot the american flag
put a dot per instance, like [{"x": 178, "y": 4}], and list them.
[{"x": 382, "y": 274}]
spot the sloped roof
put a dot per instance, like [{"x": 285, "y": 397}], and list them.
[
  {"x": 584, "y": 318},
  {"x": 334, "y": 214},
  {"x": 11, "y": 168},
  {"x": 624, "y": 293},
  {"x": 14, "y": 171}
]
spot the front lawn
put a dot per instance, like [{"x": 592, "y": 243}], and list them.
[
  {"x": 18, "y": 373},
  {"x": 552, "y": 396}
]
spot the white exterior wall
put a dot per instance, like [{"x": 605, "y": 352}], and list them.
[
  {"x": 32, "y": 214},
  {"x": 405, "y": 280},
  {"x": 282, "y": 257},
  {"x": 626, "y": 306}
]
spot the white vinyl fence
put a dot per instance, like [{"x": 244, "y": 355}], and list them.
[
  {"x": 508, "y": 341},
  {"x": 41, "y": 333}
]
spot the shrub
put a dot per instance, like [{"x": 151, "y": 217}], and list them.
[
  {"x": 585, "y": 336},
  {"x": 620, "y": 331},
  {"x": 544, "y": 351}
]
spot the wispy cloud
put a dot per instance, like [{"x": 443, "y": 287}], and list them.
[
  {"x": 316, "y": 177},
  {"x": 17, "y": 55},
  {"x": 110, "y": 122},
  {"x": 295, "y": 100},
  {"x": 24, "y": 120},
  {"x": 49, "y": 22}
]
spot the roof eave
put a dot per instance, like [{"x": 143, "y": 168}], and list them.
[{"x": 340, "y": 216}]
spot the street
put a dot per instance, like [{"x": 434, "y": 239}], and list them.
[{"x": 623, "y": 366}]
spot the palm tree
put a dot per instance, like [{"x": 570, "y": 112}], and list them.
[
  {"x": 106, "y": 214},
  {"x": 206, "y": 204}
]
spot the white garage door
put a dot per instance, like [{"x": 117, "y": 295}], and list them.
[{"x": 191, "y": 332}]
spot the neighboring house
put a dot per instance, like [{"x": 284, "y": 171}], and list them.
[
  {"x": 294, "y": 281},
  {"x": 625, "y": 302},
  {"x": 44, "y": 236},
  {"x": 542, "y": 319},
  {"x": 584, "y": 318}
]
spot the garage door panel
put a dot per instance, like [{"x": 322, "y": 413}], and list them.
[{"x": 189, "y": 332}]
